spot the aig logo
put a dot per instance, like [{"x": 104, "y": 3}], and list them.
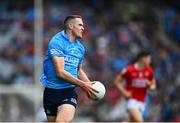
[{"x": 70, "y": 60}]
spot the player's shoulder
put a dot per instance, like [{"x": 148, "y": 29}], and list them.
[
  {"x": 59, "y": 35},
  {"x": 128, "y": 68},
  {"x": 57, "y": 38}
]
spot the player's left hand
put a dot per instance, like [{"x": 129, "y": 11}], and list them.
[{"x": 149, "y": 83}]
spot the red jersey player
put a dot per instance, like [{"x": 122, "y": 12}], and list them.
[{"x": 138, "y": 79}]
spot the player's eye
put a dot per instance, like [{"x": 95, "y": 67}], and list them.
[{"x": 80, "y": 24}]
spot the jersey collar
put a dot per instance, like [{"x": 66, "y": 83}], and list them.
[{"x": 65, "y": 36}]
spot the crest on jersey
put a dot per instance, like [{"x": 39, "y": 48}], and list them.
[{"x": 74, "y": 51}]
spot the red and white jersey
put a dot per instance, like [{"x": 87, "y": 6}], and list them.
[{"x": 136, "y": 80}]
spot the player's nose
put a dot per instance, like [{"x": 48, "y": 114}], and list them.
[{"x": 82, "y": 29}]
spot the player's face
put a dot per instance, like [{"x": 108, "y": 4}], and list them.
[
  {"x": 147, "y": 60},
  {"x": 78, "y": 28}
]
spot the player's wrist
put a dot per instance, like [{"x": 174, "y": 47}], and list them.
[
  {"x": 81, "y": 83},
  {"x": 152, "y": 87}
]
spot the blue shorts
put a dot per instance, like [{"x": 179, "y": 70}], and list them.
[{"x": 53, "y": 98}]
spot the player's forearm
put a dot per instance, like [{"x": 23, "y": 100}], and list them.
[
  {"x": 121, "y": 89},
  {"x": 83, "y": 76},
  {"x": 69, "y": 78},
  {"x": 153, "y": 85},
  {"x": 117, "y": 82}
]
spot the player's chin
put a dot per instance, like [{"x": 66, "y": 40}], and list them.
[
  {"x": 79, "y": 36},
  {"x": 147, "y": 65}
]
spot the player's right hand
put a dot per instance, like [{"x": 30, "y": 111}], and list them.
[{"x": 87, "y": 87}]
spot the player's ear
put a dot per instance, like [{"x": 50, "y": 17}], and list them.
[{"x": 70, "y": 25}]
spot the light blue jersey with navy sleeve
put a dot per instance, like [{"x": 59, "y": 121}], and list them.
[{"x": 73, "y": 53}]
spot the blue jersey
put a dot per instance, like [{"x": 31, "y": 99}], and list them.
[{"x": 73, "y": 53}]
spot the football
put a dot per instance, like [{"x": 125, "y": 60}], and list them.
[{"x": 100, "y": 88}]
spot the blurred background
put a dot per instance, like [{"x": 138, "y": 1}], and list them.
[{"x": 115, "y": 31}]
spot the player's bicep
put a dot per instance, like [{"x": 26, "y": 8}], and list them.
[
  {"x": 79, "y": 67},
  {"x": 151, "y": 76},
  {"x": 80, "y": 70},
  {"x": 153, "y": 81},
  {"x": 58, "y": 63}
]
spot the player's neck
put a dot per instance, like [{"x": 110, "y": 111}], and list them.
[
  {"x": 140, "y": 65},
  {"x": 71, "y": 37}
]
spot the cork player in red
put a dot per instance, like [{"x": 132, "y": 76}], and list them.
[{"x": 139, "y": 78}]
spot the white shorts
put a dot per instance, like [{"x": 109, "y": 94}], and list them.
[{"x": 133, "y": 103}]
